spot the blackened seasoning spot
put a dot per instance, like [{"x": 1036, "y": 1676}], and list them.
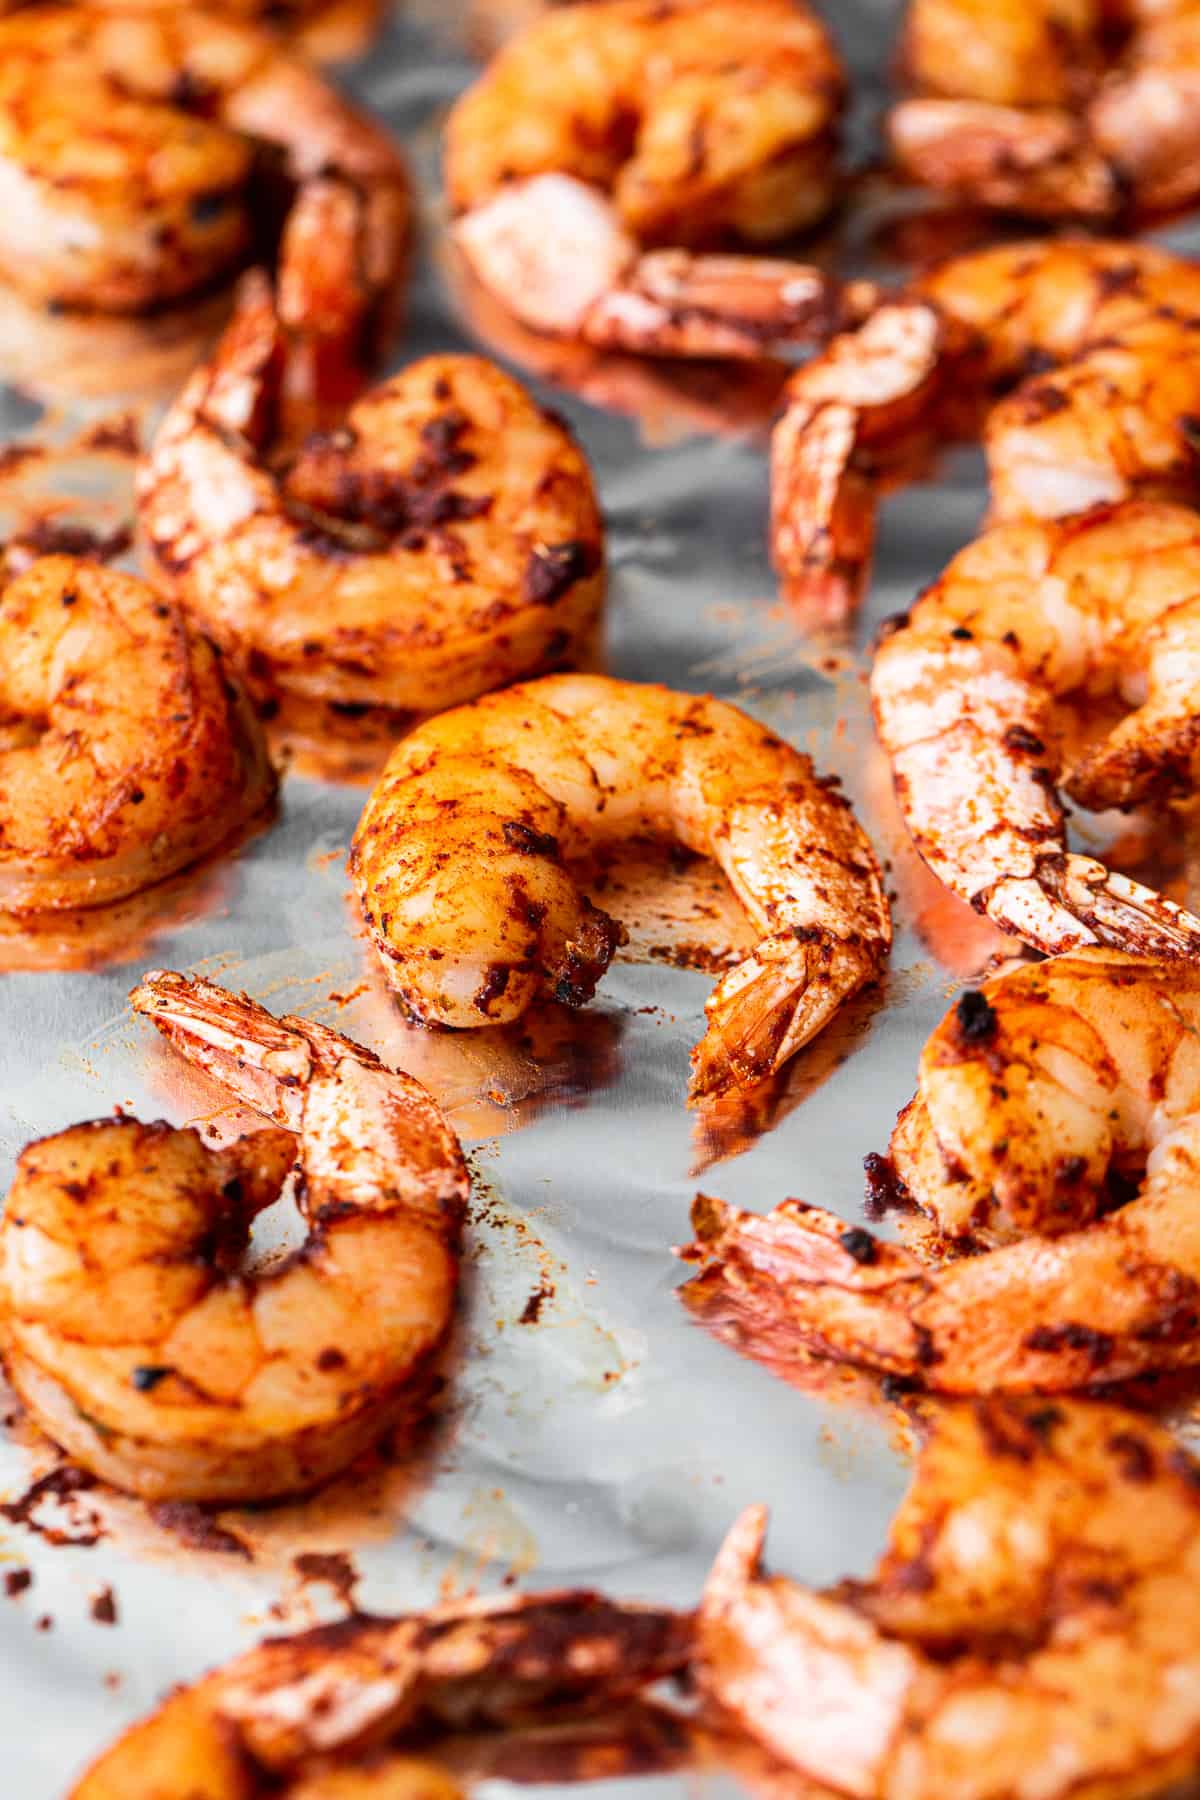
[
  {"x": 147, "y": 1376},
  {"x": 104, "y": 1606},
  {"x": 860, "y": 1245},
  {"x": 976, "y": 1017},
  {"x": 1134, "y": 1454},
  {"x": 555, "y": 568},
  {"x": 885, "y": 1191},
  {"x": 1024, "y": 742},
  {"x": 1098, "y": 1346},
  {"x": 527, "y": 841},
  {"x": 1043, "y": 1421},
  {"x": 205, "y": 208},
  {"x": 494, "y": 984}
]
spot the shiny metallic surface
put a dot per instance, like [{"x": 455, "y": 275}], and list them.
[{"x": 590, "y": 1432}]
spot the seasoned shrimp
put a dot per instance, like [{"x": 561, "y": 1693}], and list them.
[
  {"x": 609, "y": 143},
  {"x": 442, "y": 541},
  {"x": 1042, "y": 1099},
  {"x": 1053, "y": 107},
  {"x": 324, "y": 1715},
  {"x": 134, "y": 146},
  {"x": 966, "y": 692},
  {"x": 125, "y": 752},
  {"x": 460, "y": 860},
  {"x": 132, "y": 1329},
  {"x": 1096, "y": 342},
  {"x": 1030, "y": 1633}
]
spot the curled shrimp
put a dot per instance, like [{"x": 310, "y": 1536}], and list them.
[
  {"x": 441, "y": 541},
  {"x": 1057, "y": 108},
  {"x": 1044, "y": 1098},
  {"x": 125, "y": 752},
  {"x": 460, "y": 861},
  {"x": 135, "y": 149},
  {"x": 604, "y": 147},
  {"x": 972, "y": 693},
  {"x": 132, "y": 1329},
  {"x": 1030, "y": 1632},
  {"x": 325, "y": 1715},
  {"x": 1095, "y": 341}
]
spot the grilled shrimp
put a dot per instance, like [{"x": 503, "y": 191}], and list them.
[
  {"x": 1053, "y": 107},
  {"x": 1030, "y": 1633},
  {"x": 135, "y": 151},
  {"x": 134, "y": 1332},
  {"x": 1044, "y": 1099},
  {"x": 125, "y": 752},
  {"x": 461, "y": 858},
  {"x": 606, "y": 145},
  {"x": 324, "y": 1715},
  {"x": 966, "y": 693},
  {"x": 443, "y": 540},
  {"x": 1096, "y": 342}
]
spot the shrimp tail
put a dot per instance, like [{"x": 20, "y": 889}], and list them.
[
  {"x": 801, "y": 1280},
  {"x": 341, "y": 286},
  {"x": 1033, "y": 160},
  {"x": 772, "y": 1004},
  {"x": 737, "y": 1562},
  {"x": 1073, "y": 900},
  {"x": 257, "y": 1056},
  {"x": 822, "y": 514}
]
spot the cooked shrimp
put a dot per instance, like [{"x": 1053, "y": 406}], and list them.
[
  {"x": 324, "y": 1715},
  {"x": 606, "y": 145},
  {"x": 130, "y": 149},
  {"x": 1030, "y": 1633},
  {"x": 1042, "y": 1097},
  {"x": 1053, "y": 108},
  {"x": 967, "y": 690},
  {"x": 134, "y": 1332},
  {"x": 460, "y": 859},
  {"x": 442, "y": 541},
  {"x": 1114, "y": 324},
  {"x": 125, "y": 752}
]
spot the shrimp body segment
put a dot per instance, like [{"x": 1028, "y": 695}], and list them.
[
  {"x": 601, "y": 155},
  {"x": 1030, "y": 1632},
  {"x": 1055, "y": 108},
  {"x": 326, "y": 1714},
  {"x": 125, "y": 752},
  {"x": 461, "y": 860},
  {"x": 1108, "y": 330},
  {"x": 972, "y": 695},
  {"x": 135, "y": 1333},
  {"x": 1042, "y": 1099},
  {"x": 131, "y": 150},
  {"x": 444, "y": 539}
]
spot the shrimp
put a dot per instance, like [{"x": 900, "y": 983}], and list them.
[
  {"x": 133, "y": 145},
  {"x": 1057, "y": 108},
  {"x": 443, "y": 540},
  {"x": 324, "y": 1715},
  {"x": 132, "y": 1329},
  {"x": 460, "y": 861},
  {"x": 605, "y": 146},
  {"x": 1045, "y": 1098},
  {"x": 1096, "y": 342},
  {"x": 126, "y": 754},
  {"x": 1030, "y": 1632},
  {"x": 967, "y": 692}
]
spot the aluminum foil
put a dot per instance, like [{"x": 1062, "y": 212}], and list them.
[{"x": 590, "y": 1431}]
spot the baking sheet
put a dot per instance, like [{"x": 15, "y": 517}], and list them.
[{"x": 590, "y": 1432}]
